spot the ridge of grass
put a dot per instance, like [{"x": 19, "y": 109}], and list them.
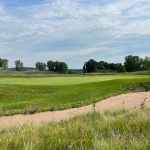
[{"x": 123, "y": 130}]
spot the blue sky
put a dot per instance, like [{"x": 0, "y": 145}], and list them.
[{"x": 73, "y": 30}]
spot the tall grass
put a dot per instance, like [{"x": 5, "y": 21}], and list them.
[{"x": 124, "y": 130}]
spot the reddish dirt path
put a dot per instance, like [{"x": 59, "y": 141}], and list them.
[{"x": 124, "y": 101}]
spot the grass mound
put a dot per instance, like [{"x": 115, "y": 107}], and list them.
[
  {"x": 116, "y": 131},
  {"x": 25, "y": 98}
]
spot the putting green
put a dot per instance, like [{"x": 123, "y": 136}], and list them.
[{"x": 61, "y": 80}]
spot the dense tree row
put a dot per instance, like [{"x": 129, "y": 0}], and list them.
[
  {"x": 94, "y": 66},
  {"x": 135, "y": 63},
  {"x": 57, "y": 66},
  {"x": 54, "y": 66},
  {"x": 40, "y": 66},
  {"x": 131, "y": 64}
]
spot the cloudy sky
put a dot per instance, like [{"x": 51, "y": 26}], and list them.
[{"x": 73, "y": 30}]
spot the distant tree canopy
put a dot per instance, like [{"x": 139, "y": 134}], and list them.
[
  {"x": 3, "y": 63},
  {"x": 18, "y": 65},
  {"x": 135, "y": 63},
  {"x": 94, "y": 66},
  {"x": 90, "y": 66},
  {"x": 131, "y": 64},
  {"x": 56, "y": 66},
  {"x": 145, "y": 63},
  {"x": 40, "y": 66}
]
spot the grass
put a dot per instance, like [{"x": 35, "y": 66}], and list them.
[
  {"x": 60, "y": 80},
  {"x": 123, "y": 130},
  {"x": 19, "y": 94}
]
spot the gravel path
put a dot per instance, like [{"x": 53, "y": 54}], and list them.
[{"x": 124, "y": 101}]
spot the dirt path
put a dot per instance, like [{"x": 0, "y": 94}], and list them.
[{"x": 124, "y": 101}]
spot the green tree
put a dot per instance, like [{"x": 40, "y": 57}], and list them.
[
  {"x": 60, "y": 67},
  {"x": 91, "y": 66},
  {"x": 132, "y": 63},
  {"x": 106, "y": 65},
  {"x": 40, "y": 66},
  {"x": 119, "y": 67},
  {"x": 18, "y": 65},
  {"x": 51, "y": 65},
  {"x": 84, "y": 68},
  {"x": 146, "y": 64},
  {"x": 101, "y": 65},
  {"x": 112, "y": 67},
  {"x": 3, "y": 63},
  {"x": 63, "y": 68}
]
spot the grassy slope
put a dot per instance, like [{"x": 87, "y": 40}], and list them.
[
  {"x": 125, "y": 130},
  {"x": 16, "y": 98}
]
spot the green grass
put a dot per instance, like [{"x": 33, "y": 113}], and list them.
[
  {"x": 33, "y": 94},
  {"x": 124, "y": 130},
  {"x": 60, "y": 80}
]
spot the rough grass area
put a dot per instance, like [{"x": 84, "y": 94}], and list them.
[
  {"x": 141, "y": 86},
  {"x": 124, "y": 130},
  {"x": 26, "y": 98}
]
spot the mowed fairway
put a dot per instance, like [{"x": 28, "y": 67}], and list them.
[
  {"x": 30, "y": 94},
  {"x": 61, "y": 80}
]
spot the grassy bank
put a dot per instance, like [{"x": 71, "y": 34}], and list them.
[
  {"x": 124, "y": 130},
  {"x": 30, "y": 95}
]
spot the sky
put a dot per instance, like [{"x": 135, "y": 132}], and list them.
[{"x": 73, "y": 31}]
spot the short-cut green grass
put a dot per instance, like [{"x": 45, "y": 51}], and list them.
[
  {"x": 30, "y": 94},
  {"x": 124, "y": 130},
  {"x": 60, "y": 80}
]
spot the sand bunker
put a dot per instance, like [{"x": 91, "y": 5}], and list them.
[{"x": 124, "y": 101}]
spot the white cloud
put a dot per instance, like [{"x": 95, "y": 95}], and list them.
[
  {"x": 55, "y": 21},
  {"x": 63, "y": 54}
]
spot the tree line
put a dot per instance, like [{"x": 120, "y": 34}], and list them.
[
  {"x": 53, "y": 66},
  {"x": 131, "y": 64}
]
